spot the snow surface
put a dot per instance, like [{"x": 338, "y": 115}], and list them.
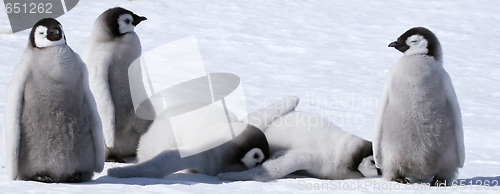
[{"x": 332, "y": 54}]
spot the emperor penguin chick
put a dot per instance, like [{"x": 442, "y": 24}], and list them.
[
  {"x": 418, "y": 130},
  {"x": 306, "y": 144},
  {"x": 112, "y": 48},
  {"x": 52, "y": 132}
]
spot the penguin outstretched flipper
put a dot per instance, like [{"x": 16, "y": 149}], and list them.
[
  {"x": 281, "y": 163},
  {"x": 264, "y": 117}
]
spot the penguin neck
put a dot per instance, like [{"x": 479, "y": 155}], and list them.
[
  {"x": 437, "y": 53},
  {"x": 434, "y": 52},
  {"x": 437, "y": 58},
  {"x": 102, "y": 33},
  {"x": 58, "y": 62}
]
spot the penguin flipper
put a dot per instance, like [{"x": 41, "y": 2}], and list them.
[
  {"x": 377, "y": 135},
  {"x": 96, "y": 130},
  {"x": 12, "y": 116},
  {"x": 160, "y": 166},
  {"x": 99, "y": 86},
  {"x": 452, "y": 100},
  {"x": 264, "y": 117},
  {"x": 280, "y": 164}
]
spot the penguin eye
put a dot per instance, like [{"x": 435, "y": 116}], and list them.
[
  {"x": 40, "y": 33},
  {"x": 256, "y": 156},
  {"x": 127, "y": 21}
]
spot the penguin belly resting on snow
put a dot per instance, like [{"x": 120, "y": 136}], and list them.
[
  {"x": 318, "y": 149},
  {"x": 52, "y": 131},
  {"x": 418, "y": 130},
  {"x": 112, "y": 48}
]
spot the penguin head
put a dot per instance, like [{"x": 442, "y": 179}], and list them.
[
  {"x": 418, "y": 40},
  {"x": 46, "y": 33},
  {"x": 119, "y": 21},
  {"x": 253, "y": 157},
  {"x": 251, "y": 145},
  {"x": 368, "y": 168}
]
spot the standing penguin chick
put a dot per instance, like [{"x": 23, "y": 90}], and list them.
[
  {"x": 52, "y": 132},
  {"x": 418, "y": 130},
  {"x": 112, "y": 47}
]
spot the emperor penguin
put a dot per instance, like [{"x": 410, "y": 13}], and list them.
[
  {"x": 247, "y": 150},
  {"x": 306, "y": 144},
  {"x": 52, "y": 131},
  {"x": 111, "y": 49},
  {"x": 159, "y": 152},
  {"x": 418, "y": 129}
]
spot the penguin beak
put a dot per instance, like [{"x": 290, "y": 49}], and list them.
[
  {"x": 394, "y": 44},
  {"x": 54, "y": 34},
  {"x": 400, "y": 47},
  {"x": 138, "y": 20}
]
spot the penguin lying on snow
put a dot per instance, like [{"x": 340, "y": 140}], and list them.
[
  {"x": 52, "y": 132},
  {"x": 418, "y": 131},
  {"x": 159, "y": 155},
  {"x": 246, "y": 150},
  {"x": 112, "y": 47},
  {"x": 307, "y": 144}
]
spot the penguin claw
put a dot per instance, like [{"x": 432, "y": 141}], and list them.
[
  {"x": 75, "y": 177},
  {"x": 43, "y": 179},
  {"x": 401, "y": 180},
  {"x": 115, "y": 159}
]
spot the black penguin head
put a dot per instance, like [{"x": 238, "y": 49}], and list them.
[
  {"x": 418, "y": 40},
  {"x": 47, "y": 32},
  {"x": 119, "y": 21},
  {"x": 252, "y": 147}
]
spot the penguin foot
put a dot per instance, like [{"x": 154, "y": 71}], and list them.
[
  {"x": 43, "y": 179},
  {"x": 75, "y": 178},
  {"x": 80, "y": 176},
  {"x": 115, "y": 159},
  {"x": 401, "y": 180}
]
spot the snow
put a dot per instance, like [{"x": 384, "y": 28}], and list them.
[{"x": 332, "y": 54}]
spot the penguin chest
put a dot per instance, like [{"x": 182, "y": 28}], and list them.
[
  {"x": 55, "y": 123},
  {"x": 417, "y": 88},
  {"x": 417, "y": 118}
]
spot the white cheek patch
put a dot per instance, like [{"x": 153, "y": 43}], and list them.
[
  {"x": 367, "y": 167},
  {"x": 418, "y": 45},
  {"x": 125, "y": 27},
  {"x": 253, "y": 157},
  {"x": 41, "y": 40}
]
